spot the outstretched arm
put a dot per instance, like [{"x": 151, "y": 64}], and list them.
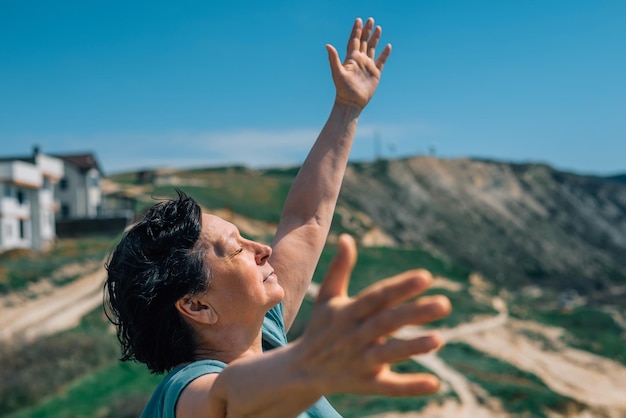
[
  {"x": 310, "y": 204},
  {"x": 346, "y": 348}
]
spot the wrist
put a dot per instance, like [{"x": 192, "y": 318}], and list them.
[
  {"x": 348, "y": 109},
  {"x": 303, "y": 369}
]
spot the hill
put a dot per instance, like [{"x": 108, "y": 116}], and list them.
[{"x": 516, "y": 223}]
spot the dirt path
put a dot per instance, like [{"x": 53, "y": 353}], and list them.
[
  {"x": 60, "y": 309},
  {"x": 595, "y": 381}
]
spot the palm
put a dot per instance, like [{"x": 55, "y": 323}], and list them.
[{"x": 357, "y": 78}]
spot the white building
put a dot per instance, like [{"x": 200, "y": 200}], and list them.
[
  {"x": 79, "y": 191},
  {"x": 27, "y": 204}
]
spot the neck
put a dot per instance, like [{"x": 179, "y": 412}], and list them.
[{"x": 228, "y": 343}]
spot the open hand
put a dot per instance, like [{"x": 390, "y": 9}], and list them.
[
  {"x": 357, "y": 78},
  {"x": 347, "y": 348}
]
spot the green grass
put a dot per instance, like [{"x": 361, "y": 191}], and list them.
[
  {"x": 73, "y": 374},
  {"x": 97, "y": 394},
  {"x": 41, "y": 369},
  {"x": 20, "y": 268},
  {"x": 250, "y": 193},
  {"x": 375, "y": 263},
  {"x": 590, "y": 329}
]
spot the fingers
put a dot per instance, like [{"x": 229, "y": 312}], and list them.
[
  {"x": 365, "y": 35},
  {"x": 354, "y": 42},
  {"x": 391, "y": 291},
  {"x": 423, "y": 311},
  {"x": 333, "y": 57},
  {"x": 416, "y": 384},
  {"x": 382, "y": 58},
  {"x": 396, "y": 350},
  {"x": 373, "y": 42},
  {"x": 336, "y": 281},
  {"x": 365, "y": 39}
]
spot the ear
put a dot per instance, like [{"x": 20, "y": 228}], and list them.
[{"x": 197, "y": 309}]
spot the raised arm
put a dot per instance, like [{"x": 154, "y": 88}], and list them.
[{"x": 310, "y": 204}]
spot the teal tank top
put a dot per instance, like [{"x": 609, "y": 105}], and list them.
[{"x": 162, "y": 404}]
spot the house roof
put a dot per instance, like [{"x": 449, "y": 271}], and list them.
[
  {"x": 19, "y": 158},
  {"x": 83, "y": 162},
  {"x": 26, "y": 158}
]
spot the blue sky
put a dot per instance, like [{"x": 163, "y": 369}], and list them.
[{"x": 201, "y": 83}]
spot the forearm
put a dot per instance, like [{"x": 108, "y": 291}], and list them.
[
  {"x": 272, "y": 385},
  {"x": 314, "y": 192},
  {"x": 309, "y": 207}
]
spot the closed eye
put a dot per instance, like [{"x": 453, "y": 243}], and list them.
[{"x": 239, "y": 251}]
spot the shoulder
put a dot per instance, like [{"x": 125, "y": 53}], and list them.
[
  {"x": 172, "y": 392},
  {"x": 196, "y": 396}
]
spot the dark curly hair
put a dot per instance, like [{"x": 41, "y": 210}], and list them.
[{"x": 158, "y": 261}]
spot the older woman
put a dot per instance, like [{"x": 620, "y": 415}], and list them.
[{"x": 191, "y": 296}]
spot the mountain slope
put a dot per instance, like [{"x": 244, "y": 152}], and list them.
[{"x": 513, "y": 222}]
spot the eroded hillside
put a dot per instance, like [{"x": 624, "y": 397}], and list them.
[{"x": 514, "y": 222}]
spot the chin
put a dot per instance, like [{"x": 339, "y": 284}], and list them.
[{"x": 276, "y": 295}]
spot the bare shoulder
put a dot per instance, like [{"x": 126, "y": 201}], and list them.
[{"x": 196, "y": 399}]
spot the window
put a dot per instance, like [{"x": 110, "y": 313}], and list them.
[
  {"x": 95, "y": 180},
  {"x": 8, "y": 190},
  {"x": 63, "y": 183},
  {"x": 46, "y": 183},
  {"x": 65, "y": 210},
  {"x": 22, "y": 229},
  {"x": 20, "y": 196}
]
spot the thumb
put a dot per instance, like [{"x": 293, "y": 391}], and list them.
[
  {"x": 333, "y": 58},
  {"x": 338, "y": 276}
]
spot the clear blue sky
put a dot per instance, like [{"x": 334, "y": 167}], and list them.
[{"x": 198, "y": 83}]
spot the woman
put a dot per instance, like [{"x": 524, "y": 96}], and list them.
[{"x": 191, "y": 296}]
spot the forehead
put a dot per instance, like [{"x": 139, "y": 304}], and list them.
[{"x": 217, "y": 231}]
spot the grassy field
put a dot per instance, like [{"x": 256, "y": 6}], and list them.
[{"x": 255, "y": 194}]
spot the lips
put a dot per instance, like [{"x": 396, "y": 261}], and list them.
[{"x": 269, "y": 275}]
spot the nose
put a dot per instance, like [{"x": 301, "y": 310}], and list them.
[{"x": 262, "y": 253}]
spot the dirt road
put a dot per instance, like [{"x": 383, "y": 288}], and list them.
[{"x": 60, "y": 309}]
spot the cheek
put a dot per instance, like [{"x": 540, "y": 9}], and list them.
[{"x": 239, "y": 291}]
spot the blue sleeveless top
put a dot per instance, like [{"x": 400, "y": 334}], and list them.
[{"x": 162, "y": 404}]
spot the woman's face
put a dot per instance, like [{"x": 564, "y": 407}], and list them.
[{"x": 242, "y": 285}]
